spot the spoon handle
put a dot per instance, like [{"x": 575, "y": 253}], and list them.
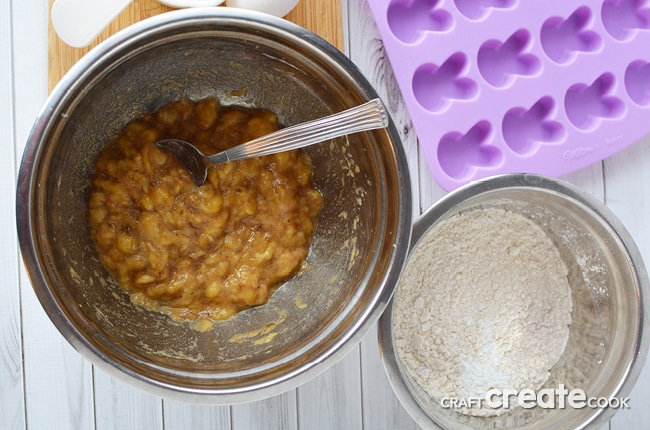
[{"x": 368, "y": 116}]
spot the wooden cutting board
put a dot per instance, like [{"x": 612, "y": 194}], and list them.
[{"x": 323, "y": 17}]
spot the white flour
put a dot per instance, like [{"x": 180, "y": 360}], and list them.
[{"x": 484, "y": 303}]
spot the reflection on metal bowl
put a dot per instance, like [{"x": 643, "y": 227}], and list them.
[
  {"x": 609, "y": 331},
  {"x": 358, "y": 250}
]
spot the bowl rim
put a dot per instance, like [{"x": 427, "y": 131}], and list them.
[
  {"x": 33, "y": 259},
  {"x": 542, "y": 183}
]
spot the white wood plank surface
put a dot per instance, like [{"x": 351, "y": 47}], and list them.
[
  {"x": 626, "y": 194},
  {"x": 180, "y": 416},
  {"x": 121, "y": 406},
  {"x": 45, "y": 383},
  {"x": 279, "y": 412},
  {"x": 333, "y": 399},
  {"x": 11, "y": 355},
  {"x": 57, "y": 381}
]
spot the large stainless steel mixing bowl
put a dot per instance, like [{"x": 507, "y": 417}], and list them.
[
  {"x": 609, "y": 332},
  {"x": 358, "y": 249}
]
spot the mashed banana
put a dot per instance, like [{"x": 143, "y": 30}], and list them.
[{"x": 201, "y": 252}]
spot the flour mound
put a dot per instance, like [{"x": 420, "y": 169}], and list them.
[{"x": 484, "y": 303}]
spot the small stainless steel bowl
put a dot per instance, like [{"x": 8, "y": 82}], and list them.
[
  {"x": 358, "y": 250},
  {"x": 609, "y": 332}
]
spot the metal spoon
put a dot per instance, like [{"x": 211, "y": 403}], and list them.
[{"x": 368, "y": 116}]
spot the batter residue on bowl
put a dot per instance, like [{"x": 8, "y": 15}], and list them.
[
  {"x": 484, "y": 303},
  {"x": 209, "y": 251}
]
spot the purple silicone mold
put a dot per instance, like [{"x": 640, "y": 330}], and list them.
[{"x": 534, "y": 86}]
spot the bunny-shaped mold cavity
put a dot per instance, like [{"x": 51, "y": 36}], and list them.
[
  {"x": 500, "y": 63},
  {"x": 503, "y": 86},
  {"x": 637, "y": 82},
  {"x": 622, "y": 18},
  {"x": 525, "y": 130},
  {"x": 587, "y": 104},
  {"x": 477, "y": 9},
  {"x": 436, "y": 87},
  {"x": 460, "y": 154},
  {"x": 562, "y": 39},
  {"x": 409, "y": 20}
]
